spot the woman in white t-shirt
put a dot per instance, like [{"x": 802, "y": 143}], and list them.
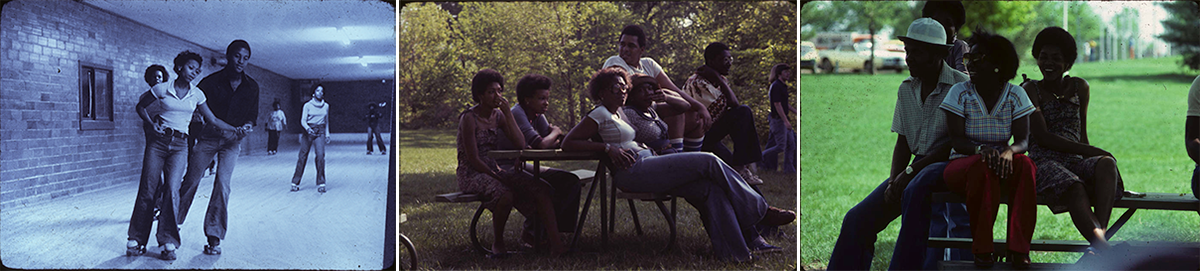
[
  {"x": 732, "y": 207},
  {"x": 167, "y": 155},
  {"x": 315, "y": 119},
  {"x": 274, "y": 127}
]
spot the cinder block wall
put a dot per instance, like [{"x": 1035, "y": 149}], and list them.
[
  {"x": 43, "y": 152},
  {"x": 350, "y": 99}
]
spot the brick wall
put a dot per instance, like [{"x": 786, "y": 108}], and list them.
[{"x": 43, "y": 153}]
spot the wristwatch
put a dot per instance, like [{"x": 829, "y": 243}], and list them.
[{"x": 979, "y": 149}]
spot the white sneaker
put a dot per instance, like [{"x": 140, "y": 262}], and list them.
[{"x": 750, "y": 177}]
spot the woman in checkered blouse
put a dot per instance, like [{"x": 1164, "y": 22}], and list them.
[{"x": 982, "y": 116}]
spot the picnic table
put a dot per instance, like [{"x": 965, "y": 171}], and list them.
[{"x": 598, "y": 178}]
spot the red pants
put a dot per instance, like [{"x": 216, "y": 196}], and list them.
[{"x": 983, "y": 190}]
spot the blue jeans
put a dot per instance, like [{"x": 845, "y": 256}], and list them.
[
  {"x": 948, "y": 220},
  {"x": 729, "y": 207},
  {"x": 781, "y": 139},
  {"x": 855, "y": 247},
  {"x": 318, "y": 143},
  {"x": 164, "y": 156},
  {"x": 225, "y": 149},
  {"x": 921, "y": 218}
]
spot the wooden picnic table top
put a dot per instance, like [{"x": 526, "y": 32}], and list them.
[{"x": 545, "y": 155}]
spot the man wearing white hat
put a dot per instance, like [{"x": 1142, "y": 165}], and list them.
[{"x": 921, "y": 134}]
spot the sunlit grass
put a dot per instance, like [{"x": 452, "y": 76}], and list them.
[{"x": 1137, "y": 113}]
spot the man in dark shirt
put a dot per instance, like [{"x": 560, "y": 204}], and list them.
[
  {"x": 234, "y": 98},
  {"x": 373, "y": 128}
]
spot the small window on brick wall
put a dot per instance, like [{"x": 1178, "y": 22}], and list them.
[{"x": 95, "y": 97}]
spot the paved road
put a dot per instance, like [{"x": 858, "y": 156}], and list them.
[{"x": 269, "y": 227}]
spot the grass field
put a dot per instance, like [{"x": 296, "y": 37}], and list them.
[
  {"x": 439, "y": 230},
  {"x": 1137, "y": 113}
]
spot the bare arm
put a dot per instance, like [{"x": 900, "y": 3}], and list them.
[
  {"x": 1039, "y": 129},
  {"x": 694, "y": 105},
  {"x": 1083, "y": 95},
  {"x": 511, "y": 127},
  {"x": 672, "y": 104},
  {"x": 551, "y": 140},
  {"x": 467, "y": 135},
  {"x": 901, "y": 156},
  {"x": 578, "y": 140},
  {"x": 780, "y": 111}
]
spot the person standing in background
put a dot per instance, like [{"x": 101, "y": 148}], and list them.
[
  {"x": 234, "y": 98},
  {"x": 274, "y": 127},
  {"x": 781, "y": 137},
  {"x": 315, "y": 120},
  {"x": 373, "y": 129}
]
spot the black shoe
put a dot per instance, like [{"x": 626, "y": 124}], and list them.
[
  {"x": 295, "y": 188},
  {"x": 982, "y": 260},
  {"x": 368, "y": 152},
  {"x": 321, "y": 189},
  {"x": 1020, "y": 261}
]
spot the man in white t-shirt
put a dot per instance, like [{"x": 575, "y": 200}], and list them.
[{"x": 685, "y": 131}]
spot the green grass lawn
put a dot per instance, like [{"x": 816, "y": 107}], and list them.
[
  {"x": 439, "y": 230},
  {"x": 1137, "y": 113}
]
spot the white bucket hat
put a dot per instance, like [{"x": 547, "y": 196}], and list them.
[{"x": 926, "y": 30}]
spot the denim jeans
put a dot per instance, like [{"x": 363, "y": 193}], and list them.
[
  {"x": 225, "y": 149},
  {"x": 855, "y": 247},
  {"x": 948, "y": 220},
  {"x": 729, "y": 207},
  {"x": 318, "y": 142},
  {"x": 919, "y": 220},
  {"x": 781, "y": 139},
  {"x": 164, "y": 156},
  {"x": 739, "y": 124},
  {"x": 374, "y": 131}
]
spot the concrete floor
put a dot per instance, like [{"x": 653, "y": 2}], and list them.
[{"x": 269, "y": 227}]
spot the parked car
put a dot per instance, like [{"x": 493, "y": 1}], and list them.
[
  {"x": 856, "y": 57},
  {"x": 809, "y": 57}
]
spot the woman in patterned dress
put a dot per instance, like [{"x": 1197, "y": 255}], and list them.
[
  {"x": 1071, "y": 173},
  {"x": 480, "y": 128}
]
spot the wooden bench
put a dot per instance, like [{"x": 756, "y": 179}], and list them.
[
  {"x": 585, "y": 176},
  {"x": 1151, "y": 201}
]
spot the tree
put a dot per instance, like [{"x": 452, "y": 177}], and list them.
[
  {"x": 429, "y": 78},
  {"x": 1008, "y": 19},
  {"x": 1181, "y": 30}
]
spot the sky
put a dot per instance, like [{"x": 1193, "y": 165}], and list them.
[{"x": 1150, "y": 15}]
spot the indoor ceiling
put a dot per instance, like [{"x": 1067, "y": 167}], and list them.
[{"x": 325, "y": 40}]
